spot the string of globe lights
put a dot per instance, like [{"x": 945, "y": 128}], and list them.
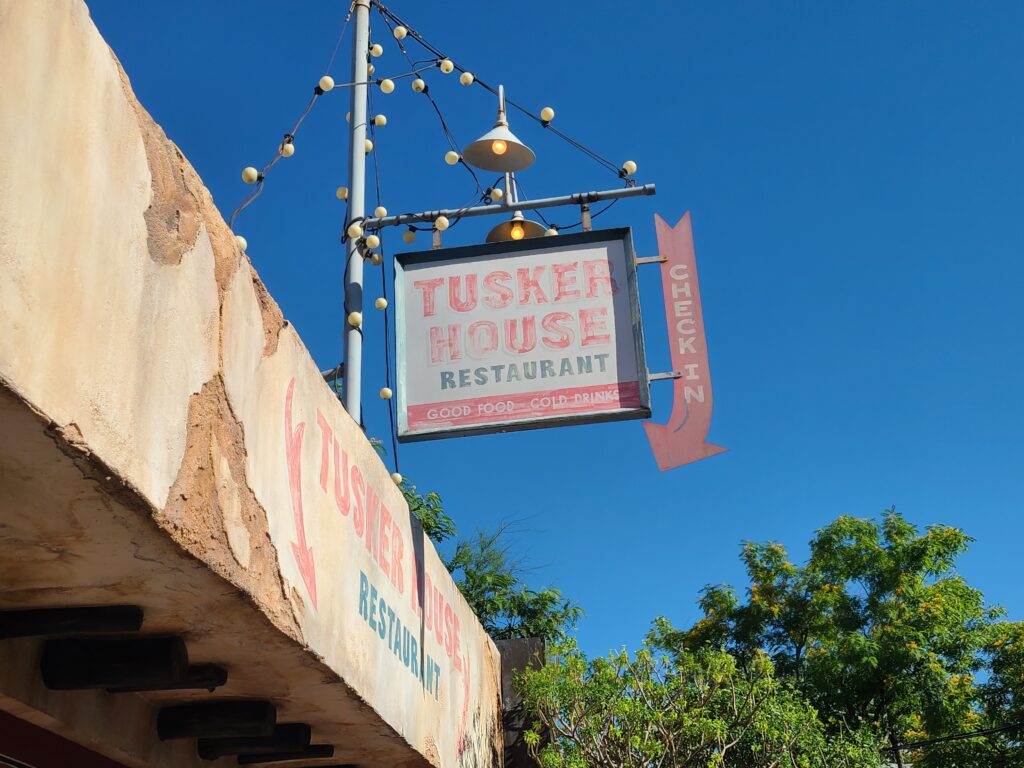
[{"x": 497, "y": 150}]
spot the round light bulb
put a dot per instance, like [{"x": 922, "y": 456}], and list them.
[
  {"x": 341, "y": 193},
  {"x": 466, "y": 78},
  {"x": 447, "y": 66},
  {"x": 517, "y": 232},
  {"x": 547, "y": 114},
  {"x": 241, "y": 242},
  {"x": 380, "y": 212},
  {"x": 396, "y": 477},
  {"x": 441, "y": 223},
  {"x": 372, "y": 241},
  {"x": 380, "y": 121},
  {"x": 355, "y": 319},
  {"x": 629, "y": 167},
  {"x": 287, "y": 149},
  {"x": 370, "y": 69},
  {"x": 354, "y": 230},
  {"x": 499, "y": 147},
  {"x": 418, "y": 85},
  {"x": 409, "y": 236},
  {"x": 376, "y": 259},
  {"x": 381, "y": 303},
  {"x": 368, "y": 146},
  {"x": 387, "y": 86},
  {"x": 250, "y": 175},
  {"x": 385, "y": 393},
  {"x": 451, "y": 157},
  {"x": 326, "y": 83},
  {"x": 376, "y": 49},
  {"x": 550, "y": 232},
  {"x": 348, "y": 117},
  {"x": 497, "y": 194},
  {"x": 400, "y": 33}
]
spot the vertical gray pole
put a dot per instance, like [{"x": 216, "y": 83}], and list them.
[{"x": 356, "y": 209}]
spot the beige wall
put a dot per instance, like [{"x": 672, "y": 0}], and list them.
[{"x": 134, "y": 325}]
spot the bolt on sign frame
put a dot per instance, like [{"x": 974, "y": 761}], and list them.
[{"x": 540, "y": 332}]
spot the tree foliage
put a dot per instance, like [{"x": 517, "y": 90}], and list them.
[{"x": 678, "y": 709}]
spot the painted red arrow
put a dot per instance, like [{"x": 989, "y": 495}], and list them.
[
  {"x": 293, "y": 450},
  {"x": 681, "y": 441}
]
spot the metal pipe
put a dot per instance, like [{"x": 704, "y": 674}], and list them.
[
  {"x": 484, "y": 210},
  {"x": 356, "y": 210}
]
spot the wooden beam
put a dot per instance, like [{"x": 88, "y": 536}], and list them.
[
  {"x": 197, "y": 676},
  {"x": 216, "y": 718},
  {"x": 90, "y": 663},
  {"x": 287, "y": 737},
  {"x": 70, "y": 621},
  {"x": 312, "y": 752}
]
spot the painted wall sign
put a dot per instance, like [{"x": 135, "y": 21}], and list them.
[
  {"x": 681, "y": 441},
  {"x": 519, "y": 335}
]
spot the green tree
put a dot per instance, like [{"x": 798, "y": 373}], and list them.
[
  {"x": 876, "y": 630},
  {"x": 685, "y": 709},
  {"x": 491, "y": 582}
]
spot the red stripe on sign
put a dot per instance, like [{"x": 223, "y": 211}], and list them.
[{"x": 498, "y": 409}]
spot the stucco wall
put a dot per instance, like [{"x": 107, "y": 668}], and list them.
[{"x": 135, "y": 326}]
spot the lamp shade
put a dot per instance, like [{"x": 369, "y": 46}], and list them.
[
  {"x": 499, "y": 150},
  {"x": 508, "y": 230}
]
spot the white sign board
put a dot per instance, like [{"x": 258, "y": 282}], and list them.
[{"x": 519, "y": 335}]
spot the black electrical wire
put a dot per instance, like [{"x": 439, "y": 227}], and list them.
[{"x": 958, "y": 737}]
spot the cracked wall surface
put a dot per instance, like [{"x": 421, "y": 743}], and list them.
[{"x": 145, "y": 346}]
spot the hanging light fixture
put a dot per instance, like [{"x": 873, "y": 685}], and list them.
[
  {"x": 499, "y": 149},
  {"x": 517, "y": 228}
]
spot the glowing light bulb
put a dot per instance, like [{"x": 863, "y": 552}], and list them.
[
  {"x": 380, "y": 121},
  {"x": 497, "y": 194},
  {"x": 368, "y": 146},
  {"x": 441, "y": 223},
  {"x": 400, "y": 33},
  {"x": 380, "y": 212},
  {"x": 241, "y": 242},
  {"x": 381, "y": 303},
  {"x": 287, "y": 149},
  {"x": 385, "y": 393},
  {"x": 466, "y": 78},
  {"x": 376, "y": 49},
  {"x": 326, "y": 83},
  {"x": 372, "y": 241},
  {"x": 376, "y": 259},
  {"x": 418, "y": 85},
  {"x": 550, "y": 232},
  {"x": 451, "y": 157},
  {"x": 355, "y": 319},
  {"x": 387, "y": 86},
  {"x": 250, "y": 175},
  {"x": 499, "y": 147},
  {"x": 409, "y": 236},
  {"x": 547, "y": 114},
  {"x": 354, "y": 230},
  {"x": 629, "y": 167},
  {"x": 396, "y": 477},
  {"x": 447, "y": 66},
  {"x": 341, "y": 193},
  {"x": 517, "y": 232},
  {"x": 370, "y": 69}
]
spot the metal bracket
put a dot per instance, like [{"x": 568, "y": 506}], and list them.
[
  {"x": 436, "y": 245},
  {"x": 585, "y": 214},
  {"x": 666, "y": 375},
  {"x": 651, "y": 260}
]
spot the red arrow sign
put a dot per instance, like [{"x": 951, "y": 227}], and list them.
[
  {"x": 293, "y": 450},
  {"x": 681, "y": 441}
]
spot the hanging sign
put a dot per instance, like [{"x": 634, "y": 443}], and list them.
[
  {"x": 519, "y": 335},
  {"x": 681, "y": 441}
]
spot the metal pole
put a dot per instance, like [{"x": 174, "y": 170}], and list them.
[{"x": 356, "y": 210}]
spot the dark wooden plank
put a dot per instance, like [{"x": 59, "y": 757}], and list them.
[
  {"x": 85, "y": 620},
  {"x": 217, "y": 718},
  {"x": 83, "y": 663},
  {"x": 287, "y": 737}
]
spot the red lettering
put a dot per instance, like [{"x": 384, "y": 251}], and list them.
[
  {"x": 565, "y": 281},
  {"x": 597, "y": 274},
  {"x": 397, "y": 553},
  {"x": 440, "y": 345},
  {"x": 528, "y": 280},
  {"x": 481, "y": 338},
  {"x": 438, "y": 609},
  {"x": 502, "y": 294},
  {"x": 456, "y": 644},
  {"x": 525, "y": 341},
  {"x": 372, "y": 516},
  {"x": 325, "y": 448},
  {"x": 592, "y": 323},
  {"x": 429, "y": 290},
  {"x": 448, "y": 630},
  {"x": 341, "y": 497},
  {"x": 428, "y": 594},
  {"x": 552, "y": 324},
  {"x": 384, "y": 535},
  {"x": 357, "y": 491},
  {"x": 459, "y": 302}
]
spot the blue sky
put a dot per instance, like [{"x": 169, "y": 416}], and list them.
[{"x": 854, "y": 175}]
